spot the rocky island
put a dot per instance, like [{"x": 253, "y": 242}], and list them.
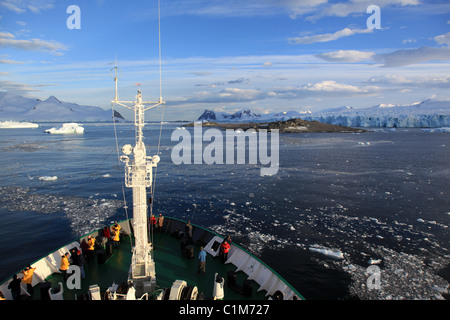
[{"x": 288, "y": 126}]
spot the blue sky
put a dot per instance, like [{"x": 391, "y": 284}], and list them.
[{"x": 225, "y": 55}]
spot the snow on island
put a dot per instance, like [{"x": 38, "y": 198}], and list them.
[
  {"x": 17, "y": 125},
  {"x": 67, "y": 128}
]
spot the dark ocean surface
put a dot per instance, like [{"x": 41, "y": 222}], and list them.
[{"x": 338, "y": 204}]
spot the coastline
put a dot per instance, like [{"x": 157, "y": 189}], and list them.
[{"x": 288, "y": 126}]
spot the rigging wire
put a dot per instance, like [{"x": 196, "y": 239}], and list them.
[
  {"x": 118, "y": 160},
  {"x": 162, "y": 119},
  {"x": 159, "y": 43}
]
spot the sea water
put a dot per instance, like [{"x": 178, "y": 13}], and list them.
[{"x": 339, "y": 203}]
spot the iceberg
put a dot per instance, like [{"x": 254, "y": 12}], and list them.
[
  {"x": 67, "y": 128},
  {"x": 328, "y": 252},
  {"x": 17, "y": 125}
]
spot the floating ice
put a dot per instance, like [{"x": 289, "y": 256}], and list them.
[
  {"x": 375, "y": 261},
  {"x": 403, "y": 277},
  {"x": 67, "y": 128},
  {"x": 48, "y": 178},
  {"x": 17, "y": 125},
  {"x": 440, "y": 130},
  {"x": 85, "y": 214},
  {"x": 328, "y": 252}
]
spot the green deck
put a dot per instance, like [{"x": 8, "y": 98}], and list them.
[{"x": 171, "y": 265}]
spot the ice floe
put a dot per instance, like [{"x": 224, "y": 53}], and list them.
[
  {"x": 85, "y": 214},
  {"x": 352, "y": 244},
  {"x": 48, "y": 178},
  {"x": 17, "y": 125},
  {"x": 335, "y": 254}
]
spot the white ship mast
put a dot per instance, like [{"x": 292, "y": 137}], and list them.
[{"x": 138, "y": 176}]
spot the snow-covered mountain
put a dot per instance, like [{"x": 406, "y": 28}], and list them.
[
  {"x": 246, "y": 115},
  {"x": 426, "y": 114},
  {"x": 18, "y": 108}
]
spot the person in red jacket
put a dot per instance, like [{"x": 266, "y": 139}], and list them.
[
  {"x": 153, "y": 222},
  {"x": 224, "y": 248}
]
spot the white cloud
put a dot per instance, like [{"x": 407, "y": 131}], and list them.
[
  {"x": 406, "y": 41},
  {"x": 346, "y": 56},
  {"x": 399, "y": 81},
  {"x": 12, "y": 7},
  {"x": 328, "y": 36},
  {"x": 299, "y": 7},
  {"x": 330, "y": 88},
  {"x": 239, "y": 8},
  {"x": 8, "y": 61},
  {"x": 20, "y": 88},
  {"x": 6, "y": 35},
  {"x": 201, "y": 74},
  {"x": 228, "y": 95},
  {"x": 294, "y": 8},
  {"x": 358, "y": 6},
  {"x": 327, "y": 88},
  {"x": 402, "y": 58},
  {"x": 443, "y": 39},
  {"x": 35, "y": 6},
  {"x": 7, "y": 40}
]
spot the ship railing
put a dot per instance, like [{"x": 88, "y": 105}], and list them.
[{"x": 255, "y": 269}]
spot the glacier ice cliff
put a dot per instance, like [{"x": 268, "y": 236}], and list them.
[{"x": 425, "y": 114}]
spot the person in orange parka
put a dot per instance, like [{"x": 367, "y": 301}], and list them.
[
  {"x": 64, "y": 265},
  {"x": 90, "y": 248},
  {"x": 116, "y": 234},
  {"x": 28, "y": 278}
]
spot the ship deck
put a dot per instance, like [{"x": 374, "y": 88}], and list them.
[{"x": 171, "y": 265}]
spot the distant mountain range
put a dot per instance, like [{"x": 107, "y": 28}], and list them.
[
  {"x": 245, "y": 115},
  {"x": 426, "y": 114},
  {"x": 18, "y": 108}
]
